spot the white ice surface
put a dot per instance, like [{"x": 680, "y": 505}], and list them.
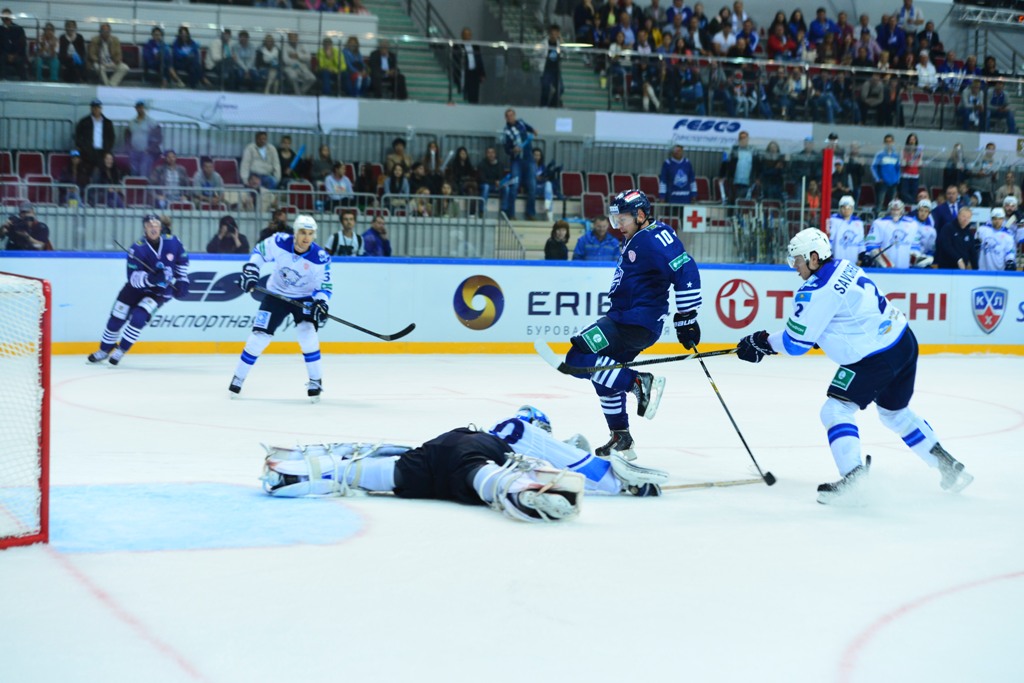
[{"x": 735, "y": 584}]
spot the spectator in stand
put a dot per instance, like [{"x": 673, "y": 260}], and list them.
[
  {"x": 109, "y": 175},
  {"x": 872, "y": 96},
  {"x": 780, "y": 44},
  {"x": 546, "y": 177},
  {"x": 356, "y": 78},
  {"x": 461, "y": 174},
  {"x": 827, "y": 51},
  {"x": 396, "y": 183},
  {"x": 893, "y": 39},
  {"x": 597, "y": 244},
  {"x": 556, "y": 248},
  {"x": 842, "y": 183},
  {"x": 347, "y": 242},
  {"x": 143, "y": 137},
  {"x": 228, "y": 239},
  {"x": 74, "y": 174},
  {"x": 743, "y": 167},
  {"x": 749, "y": 33},
  {"x": 910, "y": 169},
  {"x": 985, "y": 169},
  {"x": 24, "y": 232},
  {"x": 822, "y": 96},
  {"x": 813, "y": 202},
  {"x": 698, "y": 41},
  {"x": 338, "y": 188},
  {"x": 874, "y": 50},
  {"x": 209, "y": 184},
  {"x": 724, "y": 39},
  {"x": 678, "y": 8},
  {"x": 46, "y": 54},
  {"x": 278, "y": 223},
  {"x": 418, "y": 179},
  {"x": 398, "y": 155},
  {"x": 94, "y": 136},
  {"x": 927, "y": 76},
  {"x": 157, "y": 63},
  {"x": 260, "y": 158},
  {"x": 551, "y": 87},
  {"x": 447, "y": 205},
  {"x": 433, "y": 166},
  {"x": 268, "y": 64},
  {"x": 698, "y": 12},
  {"x": 1000, "y": 109},
  {"x": 72, "y": 54},
  {"x": 1009, "y": 188},
  {"x": 375, "y": 240},
  {"x": 105, "y": 57},
  {"x": 491, "y": 173},
  {"x": 366, "y": 186},
  {"x": 908, "y": 17},
  {"x": 518, "y": 137},
  {"x": 677, "y": 183},
  {"x": 169, "y": 180},
  {"x": 295, "y": 62},
  {"x": 247, "y": 75},
  {"x": 187, "y": 59},
  {"x": 885, "y": 169},
  {"x": 796, "y": 24},
  {"x": 930, "y": 34},
  {"x": 468, "y": 70},
  {"x": 357, "y": 7},
  {"x": 955, "y": 247},
  {"x": 252, "y": 197},
  {"x": 820, "y": 27},
  {"x": 220, "y": 62},
  {"x": 846, "y": 30},
  {"x": 584, "y": 22},
  {"x": 331, "y": 65},
  {"x": 855, "y": 167},
  {"x": 13, "y": 49},
  {"x": 322, "y": 165},
  {"x": 773, "y": 173},
  {"x": 806, "y": 163},
  {"x": 384, "y": 72}
]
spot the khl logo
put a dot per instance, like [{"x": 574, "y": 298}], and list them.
[
  {"x": 473, "y": 288},
  {"x": 988, "y": 305}
]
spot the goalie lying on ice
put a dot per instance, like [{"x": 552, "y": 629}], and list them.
[{"x": 518, "y": 469}]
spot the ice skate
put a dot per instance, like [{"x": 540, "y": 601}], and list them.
[
  {"x": 621, "y": 442},
  {"x": 97, "y": 356},
  {"x": 546, "y": 506},
  {"x": 116, "y": 355},
  {"x": 846, "y": 489},
  {"x": 313, "y": 389},
  {"x": 648, "y": 390},
  {"x": 954, "y": 477},
  {"x": 637, "y": 481},
  {"x": 236, "y": 386}
]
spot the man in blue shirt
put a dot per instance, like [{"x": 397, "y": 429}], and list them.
[
  {"x": 597, "y": 244},
  {"x": 820, "y": 26},
  {"x": 518, "y": 138},
  {"x": 886, "y": 171},
  {"x": 676, "y": 183}
]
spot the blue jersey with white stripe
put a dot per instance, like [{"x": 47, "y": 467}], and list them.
[
  {"x": 651, "y": 261},
  {"x": 144, "y": 258}
]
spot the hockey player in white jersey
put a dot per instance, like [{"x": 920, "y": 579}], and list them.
[
  {"x": 846, "y": 231},
  {"x": 893, "y": 241},
  {"x": 998, "y": 244},
  {"x": 302, "y": 272},
  {"x": 843, "y": 312},
  {"x": 926, "y": 233}
]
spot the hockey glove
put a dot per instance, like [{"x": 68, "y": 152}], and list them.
[
  {"x": 180, "y": 288},
  {"x": 161, "y": 277},
  {"x": 318, "y": 312},
  {"x": 250, "y": 277},
  {"x": 754, "y": 347},
  {"x": 687, "y": 330}
]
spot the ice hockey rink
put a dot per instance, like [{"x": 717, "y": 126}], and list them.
[{"x": 168, "y": 563}]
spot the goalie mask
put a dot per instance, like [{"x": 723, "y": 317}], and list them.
[{"x": 535, "y": 417}]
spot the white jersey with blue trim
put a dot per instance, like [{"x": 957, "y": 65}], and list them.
[
  {"x": 295, "y": 276},
  {"x": 847, "y": 237},
  {"x": 898, "y": 239},
  {"x": 927, "y": 234},
  {"x": 843, "y": 312},
  {"x": 997, "y": 248}
]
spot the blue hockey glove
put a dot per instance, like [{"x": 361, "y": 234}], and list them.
[
  {"x": 687, "y": 330},
  {"x": 318, "y": 311},
  {"x": 754, "y": 347},
  {"x": 180, "y": 289},
  {"x": 249, "y": 278},
  {"x": 161, "y": 277}
]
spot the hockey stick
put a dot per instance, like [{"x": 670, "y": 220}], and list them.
[
  {"x": 554, "y": 361},
  {"x": 767, "y": 477},
  {"x": 132, "y": 255},
  {"x": 711, "y": 484},
  {"x": 386, "y": 337}
]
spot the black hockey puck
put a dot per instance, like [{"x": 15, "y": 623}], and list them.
[{"x": 769, "y": 478}]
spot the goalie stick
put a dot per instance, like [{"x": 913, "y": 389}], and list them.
[
  {"x": 386, "y": 337},
  {"x": 711, "y": 484},
  {"x": 554, "y": 361}
]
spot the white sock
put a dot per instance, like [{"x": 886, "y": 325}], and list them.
[
  {"x": 378, "y": 474},
  {"x": 309, "y": 342},
  {"x": 254, "y": 346}
]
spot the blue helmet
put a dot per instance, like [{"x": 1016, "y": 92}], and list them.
[
  {"x": 150, "y": 217},
  {"x": 535, "y": 417},
  {"x": 630, "y": 201}
]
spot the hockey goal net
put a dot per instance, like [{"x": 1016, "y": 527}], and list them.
[{"x": 24, "y": 409}]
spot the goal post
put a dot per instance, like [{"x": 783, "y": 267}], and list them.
[{"x": 25, "y": 306}]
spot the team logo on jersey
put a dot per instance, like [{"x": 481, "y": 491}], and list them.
[
  {"x": 843, "y": 378},
  {"x": 632, "y": 255},
  {"x": 988, "y": 305},
  {"x": 472, "y": 288},
  {"x": 736, "y": 304},
  {"x": 679, "y": 261}
]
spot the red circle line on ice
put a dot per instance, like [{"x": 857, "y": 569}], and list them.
[{"x": 736, "y": 304}]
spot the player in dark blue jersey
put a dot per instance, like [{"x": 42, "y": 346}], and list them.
[
  {"x": 653, "y": 259},
  {"x": 157, "y": 271}
]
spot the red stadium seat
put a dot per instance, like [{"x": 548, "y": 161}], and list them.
[
  {"x": 57, "y": 162},
  {"x": 6, "y": 163},
  {"x": 572, "y": 184},
  {"x": 593, "y": 205},
  {"x": 30, "y": 163},
  {"x": 228, "y": 169},
  {"x": 598, "y": 183},
  {"x": 301, "y": 195},
  {"x": 622, "y": 182},
  {"x": 649, "y": 185},
  {"x": 136, "y": 191},
  {"x": 39, "y": 188}
]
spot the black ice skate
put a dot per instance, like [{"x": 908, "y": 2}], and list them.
[
  {"x": 236, "y": 385},
  {"x": 647, "y": 390},
  {"x": 313, "y": 389},
  {"x": 621, "y": 442},
  {"x": 954, "y": 477},
  {"x": 97, "y": 357},
  {"x": 846, "y": 487},
  {"x": 116, "y": 355},
  {"x": 546, "y": 505}
]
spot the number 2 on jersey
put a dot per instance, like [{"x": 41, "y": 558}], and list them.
[{"x": 866, "y": 284}]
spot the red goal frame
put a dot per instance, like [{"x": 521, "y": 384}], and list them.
[{"x": 43, "y": 536}]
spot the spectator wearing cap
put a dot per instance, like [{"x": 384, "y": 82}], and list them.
[
  {"x": 72, "y": 54},
  {"x": 207, "y": 183},
  {"x": 73, "y": 180},
  {"x": 260, "y": 158},
  {"x": 228, "y": 239},
  {"x": 143, "y": 137},
  {"x": 13, "y": 52},
  {"x": 24, "y": 232},
  {"x": 105, "y": 57},
  {"x": 94, "y": 136},
  {"x": 169, "y": 180}
]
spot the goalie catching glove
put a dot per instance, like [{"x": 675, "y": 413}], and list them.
[
  {"x": 687, "y": 330},
  {"x": 754, "y": 347},
  {"x": 250, "y": 277}
]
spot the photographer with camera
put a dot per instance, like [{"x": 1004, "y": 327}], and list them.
[
  {"x": 24, "y": 232},
  {"x": 228, "y": 240}
]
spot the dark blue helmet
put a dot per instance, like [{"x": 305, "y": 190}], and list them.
[
  {"x": 630, "y": 201},
  {"x": 150, "y": 217},
  {"x": 535, "y": 417}
]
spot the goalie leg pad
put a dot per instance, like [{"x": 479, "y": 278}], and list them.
[
  {"x": 526, "y": 489},
  {"x": 329, "y": 469},
  {"x": 633, "y": 475}
]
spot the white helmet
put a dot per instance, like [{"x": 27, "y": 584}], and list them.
[
  {"x": 1010, "y": 199},
  {"x": 997, "y": 213},
  {"x": 897, "y": 206},
  {"x": 924, "y": 204},
  {"x": 304, "y": 222},
  {"x": 847, "y": 200},
  {"x": 807, "y": 241}
]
